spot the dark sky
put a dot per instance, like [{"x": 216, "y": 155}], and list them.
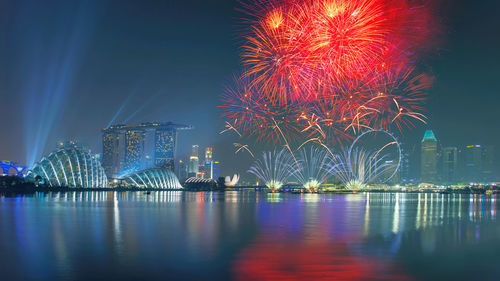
[{"x": 67, "y": 67}]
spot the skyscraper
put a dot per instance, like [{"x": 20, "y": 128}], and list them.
[
  {"x": 130, "y": 148},
  {"x": 215, "y": 169},
  {"x": 181, "y": 170},
  {"x": 208, "y": 164},
  {"x": 428, "y": 154},
  {"x": 477, "y": 163},
  {"x": 208, "y": 154},
  {"x": 450, "y": 165},
  {"x": 113, "y": 152},
  {"x": 472, "y": 165},
  {"x": 488, "y": 163},
  {"x": 193, "y": 162},
  {"x": 404, "y": 168}
]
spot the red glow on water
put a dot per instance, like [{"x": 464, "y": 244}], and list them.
[{"x": 271, "y": 259}]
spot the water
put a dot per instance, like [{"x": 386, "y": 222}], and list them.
[{"x": 248, "y": 236}]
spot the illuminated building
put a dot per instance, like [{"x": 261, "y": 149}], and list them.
[
  {"x": 193, "y": 168},
  {"x": 208, "y": 154},
  {"x": 210, "y": 168},
  {"x": 428, "y": 154},
  {"x": 215, "y": 169},
  {"x": 130, "y": 148},
  {"x": 134, "y": 150},
  {"x": 450, "y": 164},
  {"x": 165, "y": 141},
  {"x": 69, "y": 166},
  {"x": 113, "y": 152},
  {"x": 207, "y": 170}
]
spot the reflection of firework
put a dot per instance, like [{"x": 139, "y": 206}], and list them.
[
  {"x": 328, "y": 68},
  {"x": 270, "y": 258},
  {"x": 274, "y": 168}
]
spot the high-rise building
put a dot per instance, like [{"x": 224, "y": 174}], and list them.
[
  {"x": 215, "y": 169},
  {"x": 404, "y": 167},
  {"x": 449, "y": 169},
  {"x": 210, "y": 167},
  {"x": 181, "y": 170},
  {"x": 488, "y": 163},
  {"x": 477, "y": 163},
  {"x": 194, "y": 168},
  {"x": 208, "y": 154},
  {"x": 113, "y": 156},
  {"x": 472, "y": 164},
  {"x": 130, "y": 148},
  {"x": 428, "y": 156}
]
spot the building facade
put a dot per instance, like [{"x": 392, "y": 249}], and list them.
[
  {"x": 477, "y": 163},
  {"x": 449, "y": 168},
  {"x": 194, "y": 168},
  {"x": 181, "y": 170},
  {"x": 428, "y": 157}
]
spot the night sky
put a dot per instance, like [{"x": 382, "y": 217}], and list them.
[{"x": 68, "y": 67}]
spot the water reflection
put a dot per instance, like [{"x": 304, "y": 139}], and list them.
[
  {"x": 421, "y": 211},
  {"x": 248, "y": 235}
]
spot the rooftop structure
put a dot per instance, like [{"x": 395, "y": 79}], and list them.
[{"x": 131, "y": 148}]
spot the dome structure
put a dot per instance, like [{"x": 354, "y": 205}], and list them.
[
  {"x": 194, "y": 183},
  {"x": 160, "y": 178},
  {"x": 70, "y": 166},
  {"x": 199, "y": 180}
]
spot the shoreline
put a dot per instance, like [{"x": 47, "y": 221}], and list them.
[{"x": 30, "y": 190}]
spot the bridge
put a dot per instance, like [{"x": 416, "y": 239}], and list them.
[{"x": 7, "y": 165}]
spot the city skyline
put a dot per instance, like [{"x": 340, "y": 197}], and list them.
[{"x": 457, "y": 115}]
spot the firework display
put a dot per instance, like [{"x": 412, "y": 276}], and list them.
[
  {"x": 311, "y": 167},
  {"x": 373, "y": 157},
  {"x": 356, "y": 168},
  {"x": 326, "y": 69},
  {"x": 274, "y": 168}
]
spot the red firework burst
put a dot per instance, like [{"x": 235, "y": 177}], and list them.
[
  {"x": 328, "y": 68},
  {"x": 251, "y": 114}
]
